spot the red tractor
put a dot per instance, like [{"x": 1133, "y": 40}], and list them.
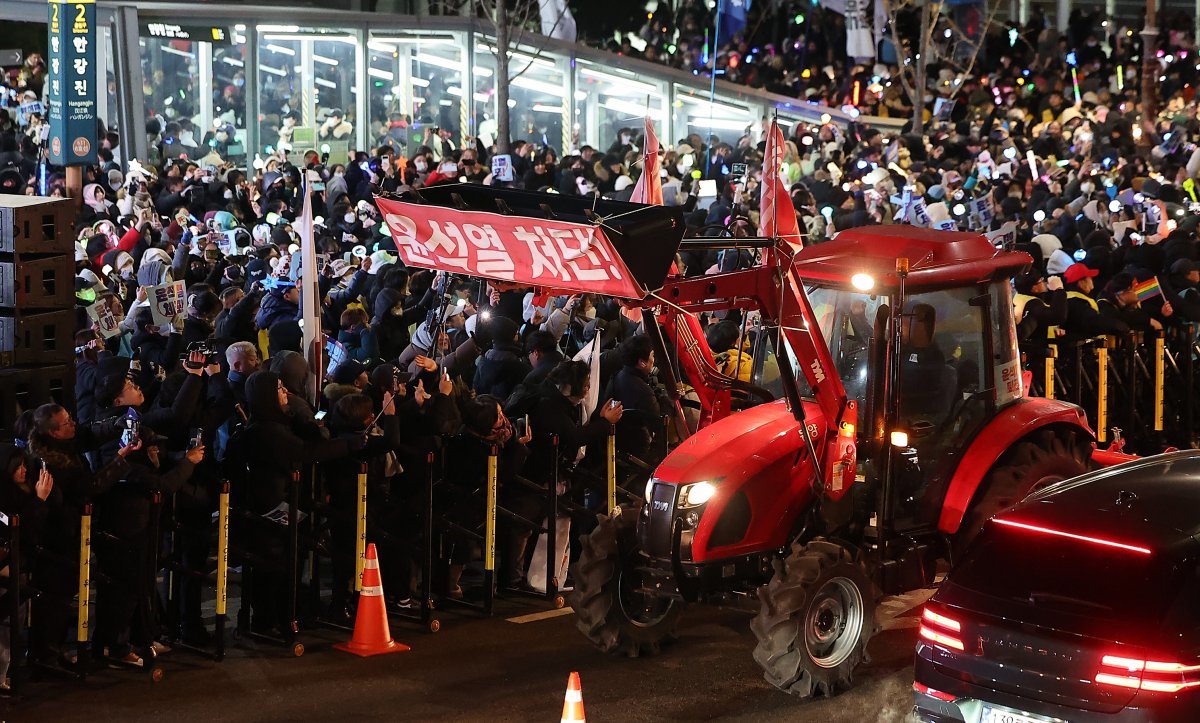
[{"x": 899, "y": 427}]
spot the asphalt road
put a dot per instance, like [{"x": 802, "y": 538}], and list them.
[{"x": 488, "y": 669}]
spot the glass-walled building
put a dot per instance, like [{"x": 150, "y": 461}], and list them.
[{"x": 257, "y": 79}]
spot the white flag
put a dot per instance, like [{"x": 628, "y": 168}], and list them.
[
  {"x": 591, "y": 354},
  {"x": 309, "y": 283},
  {"x": 557, "y": 20}
]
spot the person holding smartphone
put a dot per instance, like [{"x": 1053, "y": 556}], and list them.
[
  {"x": 60, "y": 443},
  {"x": 26, "y": 489}
]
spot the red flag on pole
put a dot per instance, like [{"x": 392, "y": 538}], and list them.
[
  {"x": 649, "y": 185},
  {"x": 778, "y": 216}
]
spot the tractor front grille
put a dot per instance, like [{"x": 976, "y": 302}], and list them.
[{"x": 657, "y": 521}]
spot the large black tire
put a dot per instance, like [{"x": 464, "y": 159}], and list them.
[
  {"x": 1039, "y": 460},
  {"x": 607, "y": 611},
  {"x": 817, "y": 616}
]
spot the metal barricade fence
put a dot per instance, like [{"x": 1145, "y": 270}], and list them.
[
  {"x": 235, "y": 529},
  {"x": 1137, "y": 387}
]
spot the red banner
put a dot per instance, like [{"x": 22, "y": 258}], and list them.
[{"x": 534, "y": 251}]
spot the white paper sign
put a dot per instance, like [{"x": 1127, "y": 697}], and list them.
[
  {"x": 168, "y": 303},
  {"x": 106, "y": 321},
  {"x": 502, "y": 168}
]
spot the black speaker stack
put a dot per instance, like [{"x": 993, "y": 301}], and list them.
[{"x": 37, "y": 305}]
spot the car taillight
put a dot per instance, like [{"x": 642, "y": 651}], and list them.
[
  {"x": 947, "y": 697},
  {"x": 941, "y": 630},
  {"x": 1153, "y": 676}
]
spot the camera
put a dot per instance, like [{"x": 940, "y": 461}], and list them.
[{"x": 210, "y": 356}]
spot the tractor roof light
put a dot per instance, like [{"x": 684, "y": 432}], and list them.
[{"x": 862, "y": 282}]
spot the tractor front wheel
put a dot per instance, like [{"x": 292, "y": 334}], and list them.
[
  {"x": 610, "y": 608},
  {"x": 817, "y": 616},
  {"x": 1038, "y": 461}
]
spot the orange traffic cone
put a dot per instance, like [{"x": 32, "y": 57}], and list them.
[
  {"x": 371, "y": 633},
  {"x": 573, "y": 704}
]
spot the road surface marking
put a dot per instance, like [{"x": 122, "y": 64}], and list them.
[{"x": 546, "y": 615}]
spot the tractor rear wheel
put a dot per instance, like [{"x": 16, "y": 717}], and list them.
[
  {"x": 1038, "y": 461},
  {"x": 610, "y": 609},
  {"x": 817, "y": 616}
]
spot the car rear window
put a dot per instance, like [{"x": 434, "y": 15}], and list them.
[{"x": 1075, "y": 576}]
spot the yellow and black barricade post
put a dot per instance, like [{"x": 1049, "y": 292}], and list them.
[
  {"x": 85, "y": 583},
  {"x": 489, "y": 530},
  {"x": 611, "y": 458},
  {"x": 1048, "y": 379},
  {"x": 293, "y": 562},
  {"x": 360, "y": 540},
  {"x": 1102, "y": 389},
  {"x": 1160, "y": 355},
  {"x": 222, "y": 566},
  {"x": 427, "y": 616},
  {"x": 552, "y": 581}
]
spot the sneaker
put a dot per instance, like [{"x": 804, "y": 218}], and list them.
[
  {"x": 132, "y": 658},
  {"x": 407, "y": 603},
  {"x": 158, "y": 648}
]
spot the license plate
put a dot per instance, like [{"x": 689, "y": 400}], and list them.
[{"x": 999, "y": 715}]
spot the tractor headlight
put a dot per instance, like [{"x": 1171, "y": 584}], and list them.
[{"x": 696, "y": 494}]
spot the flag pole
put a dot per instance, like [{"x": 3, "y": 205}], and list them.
[{"x": 712, "y": 87}]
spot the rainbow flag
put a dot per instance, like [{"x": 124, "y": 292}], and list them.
[{"x": 1147, "y": 289}]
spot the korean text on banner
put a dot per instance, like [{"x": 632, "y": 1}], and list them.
[
  {"x": 539, "y": 252},
  {"x": 167, "y": 305},
  {"x": 107, "y": 322},
  {"x": 71, "y": 82}
]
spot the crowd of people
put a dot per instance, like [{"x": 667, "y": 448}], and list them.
[{"x": 1103, "y": 201}]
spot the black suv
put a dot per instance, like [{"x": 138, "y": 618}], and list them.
[{"x": 1081, "y": 603}]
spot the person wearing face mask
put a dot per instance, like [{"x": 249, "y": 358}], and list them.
[
  {"x": 335, "y": 189},
  {"x": 640, "y": 431},
  {"x": 685, "y": 159},
  {"x": 96, "y": 206},
  {"x": 581, "y": 317},
  {"x": 418, "y": 168}
]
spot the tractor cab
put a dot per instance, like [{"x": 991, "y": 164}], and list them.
[{"x": 929, "y": 355}]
